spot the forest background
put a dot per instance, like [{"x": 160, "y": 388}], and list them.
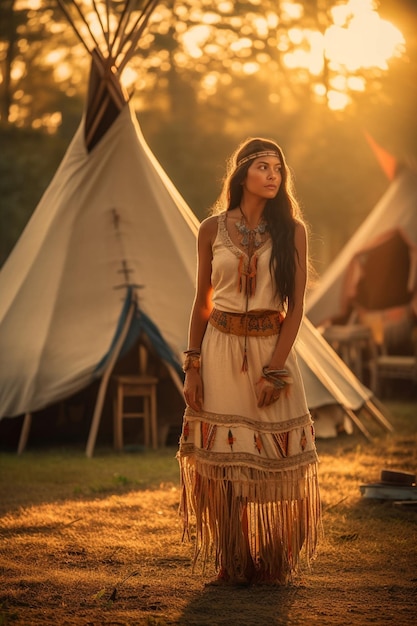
[{"x": 209, "y": 74}]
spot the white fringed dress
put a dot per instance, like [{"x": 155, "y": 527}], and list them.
[{"x": 238, "y": 460}]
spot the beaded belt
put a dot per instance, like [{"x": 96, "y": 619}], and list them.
[{"x": 262, "y": 323}]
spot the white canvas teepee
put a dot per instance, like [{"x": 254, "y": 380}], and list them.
[
  {"x": 377, "y": 268},
  {"x": 110, "y": 252},
  {"x": 110, "y": 229}
]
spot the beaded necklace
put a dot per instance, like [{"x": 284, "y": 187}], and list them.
[{"x": 251, "y": 238}]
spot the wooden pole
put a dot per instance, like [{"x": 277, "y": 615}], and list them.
[
  {"x": 104, "y": 382},
  {"x": 24, "y": 433}
]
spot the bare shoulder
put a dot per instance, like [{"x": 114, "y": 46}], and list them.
[
  {"x": 300, "y": 234},
  {"x": 208, "y": 228}
]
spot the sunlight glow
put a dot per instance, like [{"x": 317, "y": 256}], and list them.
[
  {"x": 337, "y": 101},
  {"x": 292, "y": 10},
  {"x": 279, "y": 43},
  {"x": 356, "y": 83},
  {"x": 261, "y": 26},
  {"x": 49, "y": 122},
  {"x": 129, "y": 78},
  {"x": 250, "y": 68},
  {"x": 18, "y": 70},
  {"x": 211, "y": 18},
  {"x": 209, "y": 83},
  {"x": 194, "y": 38},
  {"x": 55, "y": 56},
  {"x": 32, "y": 5},
  {"x": 319, "y": 89},
  {"x": 241, "y": 44},
  {"x": 360, "y": 39},
  {"x": 63, "y": 72},
  {"x": 357, "y": 41}
]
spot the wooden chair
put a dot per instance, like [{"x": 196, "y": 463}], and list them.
[
  {"x": 392, "y": 367},
  {"x": 142, "y": 387}
]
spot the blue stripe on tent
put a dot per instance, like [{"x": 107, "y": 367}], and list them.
[{"x": 140, "y": 323}]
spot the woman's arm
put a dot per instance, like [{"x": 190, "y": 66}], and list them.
[
  {"x": 291, "y": 324},
  {"x": 201, "y": 309}
]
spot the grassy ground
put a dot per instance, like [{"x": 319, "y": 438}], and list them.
[{"x": 98, "y": 541}]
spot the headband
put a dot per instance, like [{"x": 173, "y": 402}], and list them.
[{"x": 256, "y": 155}]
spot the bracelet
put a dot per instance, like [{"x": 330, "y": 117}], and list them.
[
  {"x": 278, "y": 378},
  {"x": 192, "y": 360}
]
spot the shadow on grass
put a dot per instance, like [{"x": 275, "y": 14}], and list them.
[{"x": 263, "y": 606}]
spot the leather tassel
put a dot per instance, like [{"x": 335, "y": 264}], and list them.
[
  {"x": 245, "y": 360},
  {"x": 240, "y": 274},
  {"x": 252, "y": 275}
]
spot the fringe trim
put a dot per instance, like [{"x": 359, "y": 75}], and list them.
[
  {"x": 234, "y": 462},
  {"x": 281, "y": 511},
  {"x": 225, "y": 419}
]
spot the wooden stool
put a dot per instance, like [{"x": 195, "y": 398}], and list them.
[{"x": 141, "y": 386}]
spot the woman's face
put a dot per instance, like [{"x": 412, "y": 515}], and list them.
[{"x": 263, "y": 177}]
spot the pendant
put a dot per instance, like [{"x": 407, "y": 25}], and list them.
[{"x": 253, "y": 236}]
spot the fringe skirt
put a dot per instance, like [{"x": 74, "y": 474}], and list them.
[{"x": 249, "y": 474}]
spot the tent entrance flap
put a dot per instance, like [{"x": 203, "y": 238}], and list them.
[{"x": 132, "y": 323}]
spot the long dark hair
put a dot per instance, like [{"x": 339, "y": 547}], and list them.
[{"x": 282, "y": 213}]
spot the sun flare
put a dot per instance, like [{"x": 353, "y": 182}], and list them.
[{"x": 356, "y": 41}]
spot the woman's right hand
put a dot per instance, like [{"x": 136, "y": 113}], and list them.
[{"x": 193, "y": 389}]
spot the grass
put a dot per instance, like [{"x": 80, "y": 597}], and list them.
[
  {"x": 60, "y": 474},
  {"x": 98, "y": 541}
]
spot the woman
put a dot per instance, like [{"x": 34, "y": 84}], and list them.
[{"x": 247, "y": 455}]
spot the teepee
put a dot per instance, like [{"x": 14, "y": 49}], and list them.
[
  {"x": 377, "y": 268},
  {"x": 109, "y": 253}
]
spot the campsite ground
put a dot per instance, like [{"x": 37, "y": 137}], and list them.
[{"x": 98, "y": 541}]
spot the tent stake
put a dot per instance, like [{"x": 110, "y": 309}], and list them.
[
  {"x": 355, "y": 419},
  {"x": 377, "y": 414},
  {"x": 104, "y": 382}
]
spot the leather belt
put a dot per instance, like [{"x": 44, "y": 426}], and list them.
[{"x": 262, "y": 323}]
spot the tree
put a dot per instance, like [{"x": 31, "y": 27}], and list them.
[{"x": 206, "y": 75}]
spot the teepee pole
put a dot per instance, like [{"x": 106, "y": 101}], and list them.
[
  {"x": 24, "y": 433},
  {"x": 134, "y": 38},
  {"x": 105, "y": 380},
  {"x": 127, "y": 35},
  {"x": 87, "y": 25},
  {"x": 108, "y": 23},
  {"x": 103, "y": 29},
  {"x": 175, "y": 377},
  {"x": 377, "y": 414},
  {"x": 72, "y": 23},
  {"x": 124, "y": 18}
]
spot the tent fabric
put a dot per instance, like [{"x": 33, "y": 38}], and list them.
[
  {"x": 327, "y": 379},
  {"x": 394, "y": 219},
  {"x": 110, "y": 221}
]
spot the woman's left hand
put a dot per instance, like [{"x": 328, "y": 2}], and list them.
[{"x": 266, "y": 393}]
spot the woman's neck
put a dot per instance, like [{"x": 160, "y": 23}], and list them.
[{"x": 252, "y": 212}]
